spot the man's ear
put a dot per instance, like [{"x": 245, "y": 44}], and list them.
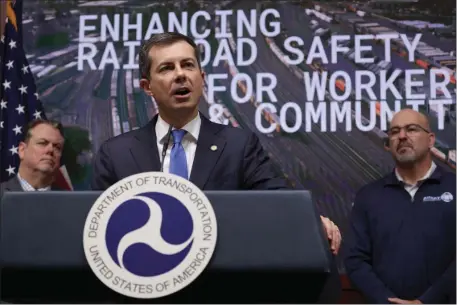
[
  {"x": 203, "y": 74},
  {"x": 21, "y": 149},
  {"x": 431, "y": 140},
  {"x": 386, "y": 143},
  {"x": 144, "y": 84}
]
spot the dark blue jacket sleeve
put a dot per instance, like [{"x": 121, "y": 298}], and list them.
[
  {"x": 102, "y": 173},
  {"x": 442, "y": 290},
  {"x": 358, "y": 256},
  {"x": 258, "y": 168}
]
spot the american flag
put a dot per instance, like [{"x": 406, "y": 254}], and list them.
[{"x": 19, "y": 103}]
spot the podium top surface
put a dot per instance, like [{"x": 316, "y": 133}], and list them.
[{"x": 276, "y": 230}]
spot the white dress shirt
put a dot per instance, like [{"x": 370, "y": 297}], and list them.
[
  {"x": 412, "y": 189},
  {"x": 29, "y": 188},
  {"x": 189, "y": 141}
]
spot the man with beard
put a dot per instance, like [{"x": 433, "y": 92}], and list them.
[{"x": 401, "y": 244}]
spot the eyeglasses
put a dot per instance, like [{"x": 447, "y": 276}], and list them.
[{"x": 411, "y": 130}]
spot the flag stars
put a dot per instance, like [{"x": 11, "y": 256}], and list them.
[
  {"x": 17, "y": 130},
  {"x": 25, "y": 69},
  {"x": 6, "y": 84},
  {"x": 23, "y": 89},
  {"x": 10, "y": 170},
  {"x": 36, "y": 95},
  {"x": 12, "y": 44},
  {"x": 10, "y": 64},
  {"x": 1, "y": 124},
  {"x": 3, "y": 104},
  {"x": 20, "y": 109},
  {"x": 37, "y": 114},
  {"x": 13, "y": 150},
  {"x": 3, "y": 39}
]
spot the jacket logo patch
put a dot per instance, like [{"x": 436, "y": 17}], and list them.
[{"x": 446, "y": 197}]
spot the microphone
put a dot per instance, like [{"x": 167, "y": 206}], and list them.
[{"x": 165, "y": 147}]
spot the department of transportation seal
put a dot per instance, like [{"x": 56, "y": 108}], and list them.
[{"x": 150, "y": 235}]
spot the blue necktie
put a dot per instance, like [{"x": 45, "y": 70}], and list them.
[{"x": 178, "y": 161}]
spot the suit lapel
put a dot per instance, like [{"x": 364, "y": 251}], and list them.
[
  {"x": 145, "y": 152},
  {"x": 13, "y": 185},
  {"x": 209, "y": 149}
]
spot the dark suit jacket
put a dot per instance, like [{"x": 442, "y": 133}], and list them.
[
  {"x": 238, "y": 163},
  {"x": 13, "y": 185}
]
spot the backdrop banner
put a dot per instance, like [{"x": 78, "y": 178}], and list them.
[{"x": 317, "y": 83}]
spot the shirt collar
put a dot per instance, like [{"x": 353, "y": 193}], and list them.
[
  {"x": 395, "y": 179},
  {"x": 192, "y": 128},
  {"x": 28, "y": 187},
  {"x": 426, "y": 176}
]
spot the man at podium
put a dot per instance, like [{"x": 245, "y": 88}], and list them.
[
  {"x": 40, "y": 154},
  {"x": 182, "y": 141}
]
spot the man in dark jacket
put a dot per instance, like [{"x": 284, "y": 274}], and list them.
[{"x": 401, "y": 244}]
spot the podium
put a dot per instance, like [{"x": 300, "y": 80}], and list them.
[{"x": 271, "y": 248}]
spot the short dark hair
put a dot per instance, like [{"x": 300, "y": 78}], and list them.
[
  {"x": 55, "y": 124},
  {"x": 161, "y": 39}
]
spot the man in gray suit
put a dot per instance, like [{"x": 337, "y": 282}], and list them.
[{"x": 40, "y": 154}]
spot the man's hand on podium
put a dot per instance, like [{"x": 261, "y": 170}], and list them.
[{"x": 333, "y": 234}]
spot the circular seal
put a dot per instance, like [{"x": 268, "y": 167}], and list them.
[
  {"x": 150, "y": 235},
  {"x": 447, "y": 197}
]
